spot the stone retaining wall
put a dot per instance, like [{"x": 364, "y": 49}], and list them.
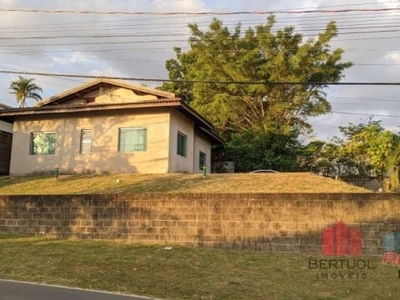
[{"x": 267, "y": 222}]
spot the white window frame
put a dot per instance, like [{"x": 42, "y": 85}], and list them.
[
  {"x": 133, "y": 147},
  {"x": 86, "y": 141}
]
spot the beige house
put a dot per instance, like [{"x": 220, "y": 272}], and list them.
[{"x": 109, "y": 126}]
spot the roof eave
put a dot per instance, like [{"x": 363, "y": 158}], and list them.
[
  {"x": 197, "y": 115},
  {"x": 214, "y": 137},
  {"x": 203, "y": 125},
  {"x": 87, "y": 108}
]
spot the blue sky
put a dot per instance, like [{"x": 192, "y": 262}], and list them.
[{"x": 65, "y": 43}]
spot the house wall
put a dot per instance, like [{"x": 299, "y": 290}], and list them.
[
  {"x": 104, "y": 156},
  {"x": 177, "y": 163},
  {"x": 121, "y": 95},
  {"x": 196, "y": 142},
  {"x": 105, "y": 95},
  {"x": 201, "y": 143}
]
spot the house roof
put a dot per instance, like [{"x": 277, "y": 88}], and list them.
[
  {"x": 202, "y": 124},
  {"x": 92, "y": 85},
  {"x": 3, "y": 106}
]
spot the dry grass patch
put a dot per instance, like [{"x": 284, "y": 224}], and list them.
[
  {"x": 175, "y": 183},
  {"x": 188, "y": 273}
]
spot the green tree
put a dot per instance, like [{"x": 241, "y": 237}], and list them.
[
  {"x": 252, "y": 151},
  {"x": 25, "y": 88},
  {"x": 311, "y": 157},
  {"x": 382, "y": 148},
  {"x": 364, "y": 148},
  {"x": 213, "y": 75},
  {"x": 327, "y": 159},
  {"x": 182, "y": 88},
  {"x": 351, "y": 154}
]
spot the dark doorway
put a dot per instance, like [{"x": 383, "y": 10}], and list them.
[{"x": 5, "y": 152}]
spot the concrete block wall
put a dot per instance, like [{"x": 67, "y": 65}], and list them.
[{"x": 268, "y": 222}]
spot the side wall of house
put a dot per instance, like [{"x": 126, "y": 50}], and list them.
[
  {"x": 202, "y": 144},
  {"x": 183, "y": 125},
  {"x": 104, "y": 156}
]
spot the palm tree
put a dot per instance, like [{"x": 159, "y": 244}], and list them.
[{"x": 25, "y": 88}]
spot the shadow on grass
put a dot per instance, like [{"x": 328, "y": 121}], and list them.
[
  {"x": 7, "y": 181},
  {"x": 75, "y": 177},
  {"x": 11, "y": 235}
]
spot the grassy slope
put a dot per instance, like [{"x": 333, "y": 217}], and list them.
[
  {"x": 174, "y": 183},
  {"x": 187, "y": 273}
]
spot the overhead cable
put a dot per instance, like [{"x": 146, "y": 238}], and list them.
[
  {"x": 375, "y": 83},
  {"x": 218, "y": 13}
]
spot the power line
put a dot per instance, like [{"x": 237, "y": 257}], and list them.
[
  {"x": 364, "y": 114},
  {"x": 176, "y": 40},
  {"x": 29, "y": 48},
  {"x": 90, "y": 25},
  {"x": 320, "y": 125},
  {"x": 364, "y": 99},
  {"x": 201, "y": 81},
  {"x": 246, "y": 21},
  {"x": 41, "y": 38},
  {"x": 219, "y": 13},
  {"x": 148, "y": 34}
]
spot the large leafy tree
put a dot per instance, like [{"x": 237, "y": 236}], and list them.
[
  {"x": 246, "y": 81},
  {"x": 25, "y": 88}
]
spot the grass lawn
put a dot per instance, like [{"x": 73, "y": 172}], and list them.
[
  {"x": 174, "y": 183},
  {"x": 188, "y": 273}
]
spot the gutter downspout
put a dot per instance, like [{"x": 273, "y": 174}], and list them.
[{"x": 194, "y": 152}]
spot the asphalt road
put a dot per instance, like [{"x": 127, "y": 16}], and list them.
[{"x": 13, "y": 290}]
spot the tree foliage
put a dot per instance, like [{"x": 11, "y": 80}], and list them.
[
  {"x": 25, "y": 88},
  {"x": 211, "y": 76},
  {"x": 315, "y": 158},
  {"x": 379, "y": 146},
  {"x": 252, "y": 151},
  {"x": 364, "y": 148}
]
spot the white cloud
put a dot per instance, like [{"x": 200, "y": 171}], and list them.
[
  {"x": 389, "y": 4},
  {"x": 393, "y": 57},
  {"x": 75, "y": 57},
  {"x": 179, "y": 5},
  {"x": 107, "y": 71}
]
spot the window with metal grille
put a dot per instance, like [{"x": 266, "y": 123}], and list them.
[
  {"x": 132, "y": 139},
  {"x": 86, "y": 141}
]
